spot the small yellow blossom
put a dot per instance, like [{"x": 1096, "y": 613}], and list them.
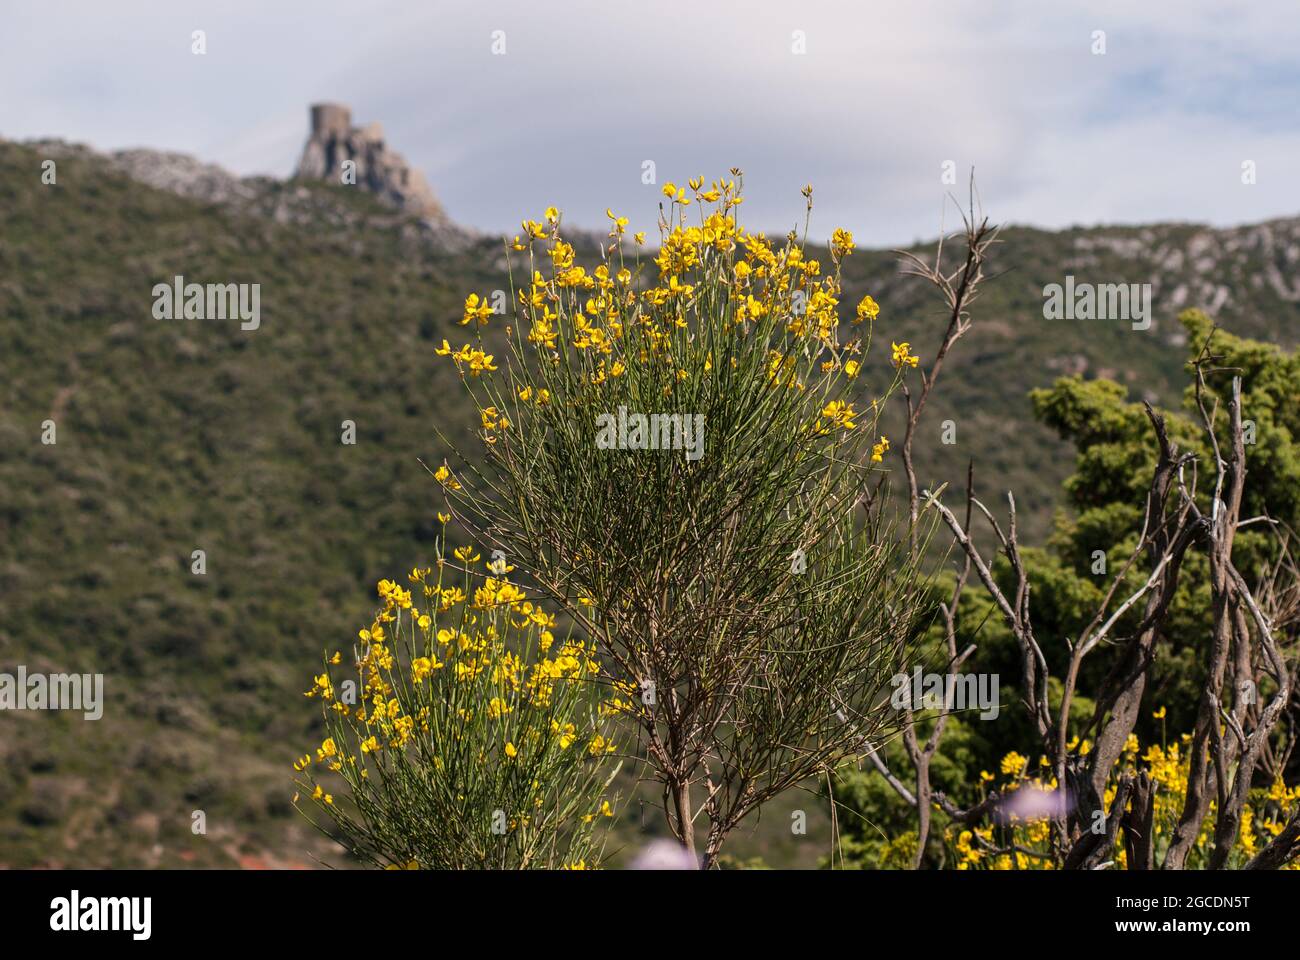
[{"x": 901, "y": 355}]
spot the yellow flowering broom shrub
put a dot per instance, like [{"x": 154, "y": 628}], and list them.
[
  {"x": 462, "y": 732},
  {"x": 683, "y": 450},
  {"x": 1024, "y": 842}
]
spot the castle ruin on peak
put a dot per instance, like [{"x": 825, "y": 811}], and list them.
[{"x": 334, "y": 141}]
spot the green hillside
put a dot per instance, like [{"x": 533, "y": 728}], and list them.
[
  {"x": 180, "y": 435},
  {"x": 183, "y": 435}
]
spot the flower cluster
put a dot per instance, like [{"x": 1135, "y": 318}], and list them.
[
  {"x": 590, "y": 325},
  {"x": 460, "y": 700},
  {"x": 1024, "y": 843}
]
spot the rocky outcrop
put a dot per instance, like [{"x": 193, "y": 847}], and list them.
[
  {"x": 422, "y": 223},
  {"x": 341, "y": 153},
  {"x": 176, "y": 173}
]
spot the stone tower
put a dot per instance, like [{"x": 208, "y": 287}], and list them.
[
  {"x": 330, "y": 120},
  {"x": 381, "y": 171}
]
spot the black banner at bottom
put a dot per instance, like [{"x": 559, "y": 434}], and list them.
[{"x": 347, "y": 908}]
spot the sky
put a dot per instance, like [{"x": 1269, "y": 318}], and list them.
[{"x": 865, "y": 100}]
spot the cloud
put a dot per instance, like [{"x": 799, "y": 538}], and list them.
[{"x": 1156, "y": 128}]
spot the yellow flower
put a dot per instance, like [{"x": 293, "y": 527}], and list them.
[
  {"x": 1013, "y": 763},
  {"x": 878, "y": 450},
  {"x": 868, "y": 309},
  {"x": 841, "y": 244},
  {"x": 841, "y": 414},
  {"x": 478, "y": 361},
  {"x": 510, "y": 750},
  {"x": 466, "y": 555},
  {"x": 493, "y": 420},
  {"x": 422, "y": 667},
  {"x": 323, "y": 688},
  {"x": 851, "y": 368},
  {"x": 393, "y": 595},
  {"x": 476, "y": 308},
  {"x": 902, "y": 355},
  {"x": 567, "y": 733},
  {"x": 444, "y": 476},
  {"x": 1159, "y": 714},
  {"x": 675, "y": 193}
]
